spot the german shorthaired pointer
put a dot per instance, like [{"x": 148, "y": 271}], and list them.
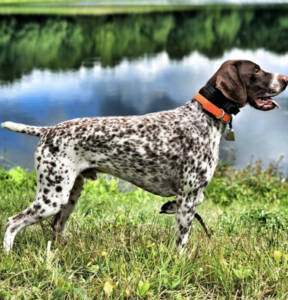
[
  {"x": 170, "y": 208},
  {"x": 168, "y": 153}
]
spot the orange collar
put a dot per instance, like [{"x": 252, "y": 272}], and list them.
[{"x": 219, "y": 113}]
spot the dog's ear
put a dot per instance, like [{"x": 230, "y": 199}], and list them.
[{"x": 229, "y": 82}]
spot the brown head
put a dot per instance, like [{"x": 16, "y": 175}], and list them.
[{"x": 243, "y": 81}]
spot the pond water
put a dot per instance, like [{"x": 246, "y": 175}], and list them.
[{"x": 58, "y": 68}]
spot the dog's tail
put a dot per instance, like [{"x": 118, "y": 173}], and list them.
[{"x": 22, "y": 128}]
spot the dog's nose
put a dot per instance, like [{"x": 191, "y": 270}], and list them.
[{"x": 283, "y": 78}]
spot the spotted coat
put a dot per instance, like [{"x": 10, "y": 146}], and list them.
[{"x": 168, "y": 153}]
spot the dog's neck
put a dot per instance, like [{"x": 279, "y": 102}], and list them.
[
  {"x": 216, "y": 97},
  {"x": 195, "y": 111}
]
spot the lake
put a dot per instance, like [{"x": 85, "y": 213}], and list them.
[{"x": 55, "y": 68}]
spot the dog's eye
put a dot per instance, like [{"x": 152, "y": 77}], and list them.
[{"x": 257, "y": 69}]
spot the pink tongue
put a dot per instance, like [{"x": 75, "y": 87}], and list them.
[
  {"x": 275, "y": 103},
  {"x": 266, "y": 105}
]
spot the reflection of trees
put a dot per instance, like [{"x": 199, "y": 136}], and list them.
[{"x": 64, "y": 42}]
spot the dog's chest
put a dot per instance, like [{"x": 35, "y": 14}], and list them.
[{"x": 202, "y": 159}]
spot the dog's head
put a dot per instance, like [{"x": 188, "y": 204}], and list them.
[{"x": 243, "y": 81}]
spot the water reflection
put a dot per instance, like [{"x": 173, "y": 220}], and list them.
[
  {"x": 63, "y": 43},
  {"x": 137, "y": 87}
]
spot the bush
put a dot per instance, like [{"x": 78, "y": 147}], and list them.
[
  {"x": 250, "y": 184},
  {"x": 262, "y": 220}
]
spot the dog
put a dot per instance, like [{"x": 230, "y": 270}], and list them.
[
  {"x": 170, "y": 208},
  {"x": 168, "y": 153}
]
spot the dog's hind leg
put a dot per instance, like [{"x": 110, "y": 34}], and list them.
[
  {"x": 59, "y": 220},
  {"x": 170, "y": 208},
  {"x": 53, "y": 193}
]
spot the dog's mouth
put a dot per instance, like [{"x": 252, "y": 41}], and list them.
[{"x": 264, "y": 103}]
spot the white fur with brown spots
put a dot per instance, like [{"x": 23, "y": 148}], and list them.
[{"x": 168, "y": 153}]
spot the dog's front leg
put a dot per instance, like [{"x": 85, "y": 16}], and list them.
[
  {"x": 185, "y": 213},
  {"x": 184, "y": 216}
]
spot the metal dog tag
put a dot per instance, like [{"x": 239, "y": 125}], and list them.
[{"x": 229, "y": 135}]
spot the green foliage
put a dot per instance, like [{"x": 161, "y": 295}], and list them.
[
  {"x": 143, "y": 288},
  {"x": 17, "y": 179},
  {"x": 17, "y": 175},
  {"x": 248, "y": 185},
  {"x": 262, "y": 220},
  {"x": 61, "y": 43},
  {"x": 119, "y": 247}
]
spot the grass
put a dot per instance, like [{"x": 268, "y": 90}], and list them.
[
  {"x": 75, "y": 7},
  {"x": 66, "y": 7},
  {"x": 86, "y": 11},
  {"x": 119, "y": 247}
]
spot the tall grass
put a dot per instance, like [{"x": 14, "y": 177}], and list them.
[{"x": 119, "y": 247}]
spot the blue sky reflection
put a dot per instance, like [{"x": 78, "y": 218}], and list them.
[{"x": 137, "y": 87}]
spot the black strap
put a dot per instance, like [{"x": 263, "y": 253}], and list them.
[{"x": 221, "y": 101}]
